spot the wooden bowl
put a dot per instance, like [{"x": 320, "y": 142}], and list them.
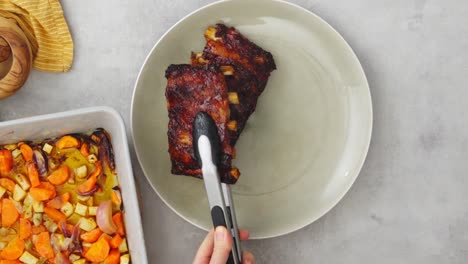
[{"x": 15, "y": 57}]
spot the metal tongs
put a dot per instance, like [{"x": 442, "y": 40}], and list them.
[{"x": 207, "y": 148}]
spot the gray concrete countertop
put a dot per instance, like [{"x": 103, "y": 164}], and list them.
[{"x": 409, "y": 204}]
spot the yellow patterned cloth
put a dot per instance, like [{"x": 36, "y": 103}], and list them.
[{"x": 45, "y": 27}]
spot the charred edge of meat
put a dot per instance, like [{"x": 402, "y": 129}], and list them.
[
  {"x": 105, "y": 150},
  {"x": 242, "y": 49}
]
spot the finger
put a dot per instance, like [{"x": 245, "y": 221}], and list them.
[
  {"x": 206, "y": 249},
  {"x": 247, "y": 258},
  {"x": 244, "y": 234},
  {"x": 222, "y": 245}
]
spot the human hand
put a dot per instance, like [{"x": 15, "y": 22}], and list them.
[{"x": 217, "y": 245}]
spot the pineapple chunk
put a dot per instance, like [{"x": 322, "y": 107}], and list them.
[
  {"x": 16, "y": 153},
  {"x": 59, "y": 239},
  {"x": 90, "y": 201},
  {"x": 47, "y": 148},
  {"x": 233, "y": 98},
  {"x": 227, "y": 70},
  {"x": 2, "y": 191},
  {"x": 81, "y": 172},
  {"x": 28, "y": 201},
  {"x": 18, "y": 193},
  {"x": 28, "y": 258},
  {"x": 125, "y": 259},
  {"x": 87, "y": 244},
  {"x": 28, "y": 244},
  {"x": 28, "y": 206},
  {"x": 80, "y": 261},
  {"x": 22, "y": 181},
  {"x": 92, "y": 210},
  {"x": 123, "y": 246},
  {"x": 37, "y": 219},
  {"x": 50, "y": 225},
  {"x": 83, "y": 198},
  {"x": 232, "y": 125},
  {"x": 210, "y": 33},
  {"x": 74, "y": 257},
  {"x": 38, "y": 206},
  {"x": 18, "y": 206},
  {"x": 2, "y": 245},
  {"x": 81, "y": 209},
  {"x": 87, "y": 224},
  {"x": 67, "y": 209}
]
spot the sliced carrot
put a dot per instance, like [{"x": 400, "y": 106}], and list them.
[
  {"x": 59, "y": 176},
  {"x": 5, "y": 261},
  {"x": 116, "y": 241},
  {"x": 48, "y": 186},
  {"x": 55, "y": 214},
  {"x": 26, "y": 151},
  {"x": 116, "y": 198},
  {"x": 97, "y": 170},
  {"x": 43, "y": 246},
  {"x": 65, "y": 197},
  {"x": 13, "y": 250},
  {"x": 56, "y": 203},
  {"x": 7, "y": 184},
  {"x": 88, "y": 185},
  {"x": 69, "y": 228},
  {"x": 41, "y": 194},
  {"x": 6, "y": 162},
  {"x": 118, "y": 221},
  {"x": 98, "y": 251},
  {"x": 38, "y": 229},
  {"x": 107, "y": 237},
  {"x": 67, "y": 142},
  {"x": 91, "y": 236},
  {"x": 59, "y": 201},
  {"x": 25, "y": 229},
  {"x": 85, "y": 250},
  {"x": 9, "y": 213},
  {"x": 113, "y": 257},
  {"x": 84, "y": 149},
  {"x": 33, "y": 174}
]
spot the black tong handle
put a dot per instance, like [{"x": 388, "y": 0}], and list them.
[{"x": 204, "y": 125}]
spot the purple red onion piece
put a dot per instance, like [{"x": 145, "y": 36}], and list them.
[
  {"x": 90, "y": 192},
  {"x": 41, "y": 163},
  {"x": 104, "y": 218}
]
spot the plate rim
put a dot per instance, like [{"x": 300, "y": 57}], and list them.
[{"x": 360, "y": 163}]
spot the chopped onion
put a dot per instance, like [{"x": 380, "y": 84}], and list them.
[
  {"x": 41, "y": 162},
  {"x": 63, "y": 226},
  {"x": 104, "y": 218},
  {"x": 90, "y": 192},
  {"x": 61, "y": 259}
]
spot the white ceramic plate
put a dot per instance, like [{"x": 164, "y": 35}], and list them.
[{"x": 303, "y": 147}]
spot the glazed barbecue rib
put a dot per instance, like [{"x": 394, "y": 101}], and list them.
[
  {"x": 225, "y": 81},
  {"x": 191, "y": 89},
  {"x": 245, "y": 65}
]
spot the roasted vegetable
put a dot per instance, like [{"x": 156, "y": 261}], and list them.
[{"x": 49, "y": 205}]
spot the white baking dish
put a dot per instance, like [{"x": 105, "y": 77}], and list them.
[{"x": 85, "y": 120}]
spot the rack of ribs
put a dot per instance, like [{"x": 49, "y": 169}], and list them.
[
  {"x": 225, "y": 80},
  {"x": 191, "y": 89},
  {"x": 245, "y": 65}
]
